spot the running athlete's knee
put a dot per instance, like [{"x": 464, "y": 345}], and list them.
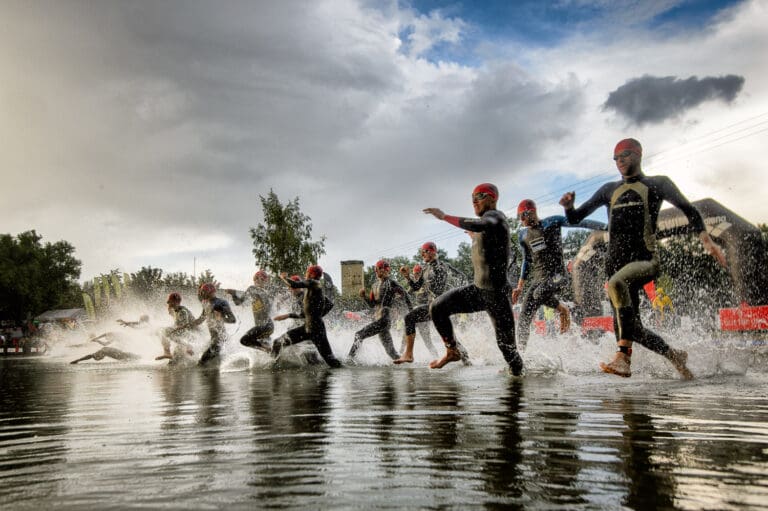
[{"x": 618, "y": 292}]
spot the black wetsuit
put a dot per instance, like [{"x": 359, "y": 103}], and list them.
[
  {"x": 381, "y": 298},
  {"x": 542, "y": 248},
  {"x": 261, "y": 305},
  {"x": 633, "y": 209},
  {"x": 490, "y": 290},
  {"x": 215, "y": 326},
  {"x": 431, "y": 284},
  {"x": 314, "y": 306}
]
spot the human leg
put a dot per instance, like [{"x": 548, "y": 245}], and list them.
[
  {"x": 499, "y": 309},
  {"x": 258, "y": 336},
  {"x": 319, "y": 338},
  {"x": 367, "y": 331},
  {"x": 623, "y": 289},
  {"x": 463, "y": 299},
  {"x": 416, "y": 316}
]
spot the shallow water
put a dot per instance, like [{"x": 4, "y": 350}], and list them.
[{"x": 109, "y": 435}]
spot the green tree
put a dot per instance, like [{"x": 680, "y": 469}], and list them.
[
  {"x": 180, "y": 282},
  {"x": 206, "y": 277},
  {"x": 463, "y": 260},
  {"x": 283, "y": 241},
  {"x": 147, "y": 282},
  {"x": 35, "y": 277}
]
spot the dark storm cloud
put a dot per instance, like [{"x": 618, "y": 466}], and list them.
[{"x": 651, "y": 99}]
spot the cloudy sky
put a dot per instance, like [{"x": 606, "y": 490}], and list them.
[{"x": 143, "y": 132}]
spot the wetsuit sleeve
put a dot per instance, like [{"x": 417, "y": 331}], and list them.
[
  {"x": 600, "y": 198},
  {"x": 671, "y": 194},
  {"x": 525, "y": 269},
  {"x": 238, "y": 298},
  {"x": 561, "y": 221},
  {"x": 223, "y": 307},
  {"x": 440, "y": 277},
  {"x": 415, "y": 285},
  {"x": 590, "y": 224},
  {"x": 294, "y": 284},
  {"x": 477, "y": 224},
  {"x": 199, "y": 320}
]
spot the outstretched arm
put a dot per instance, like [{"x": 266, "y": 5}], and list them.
[{"x": 712, "y": 248}]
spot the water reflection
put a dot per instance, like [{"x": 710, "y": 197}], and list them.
[
  {"x": 503, "y": 465},
  {"x": 115, "y": 435},
  {"x": 646, "y": 460},
  {"x": 33, "y": 407},
  {"x": 291, "y": 415}
]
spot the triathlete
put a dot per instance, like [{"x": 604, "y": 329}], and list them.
[
  {"x": 490, "y": 290},
  {"x": 216, "y": 312},
  {"x": 182, "y": 324},
  {"x": 541, "y": 243},
  {"x": 261, "y": 306},
  {"x": 426, "y": 284},
  {"x": 315, "y": 306},
  {"x": 380, "y": 298},
  {"x": 633, "y": 208}
]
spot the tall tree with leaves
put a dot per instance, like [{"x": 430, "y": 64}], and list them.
[
  {"x": 284, "y": 241},
  {"x": 147, "y": 282},
  {"x": 35, "y": 277}
]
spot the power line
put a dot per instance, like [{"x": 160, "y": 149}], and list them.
[{"x": 666, "y": 156}]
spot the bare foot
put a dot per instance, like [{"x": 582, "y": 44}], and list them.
[
  {"x": 451, "y": 355},
  {"x": 403, "y": 360},
  {"x": 620, "y": 365},
  {"x": 679, "y": 359}
]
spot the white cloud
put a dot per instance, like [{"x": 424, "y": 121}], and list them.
[{"x": 169, "y": 123}]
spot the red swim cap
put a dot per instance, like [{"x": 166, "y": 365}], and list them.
[
  {"x": 487, "y": 188},
  {"x": 417, "y": 268},
  {"x": 381, "y": 264},
  {"x": 173, "y": 299},
  {"x": 628, "y": 144},
  {"x": 206, "y": 290},
  {"x": 429, "y": 247},
  {"x": 261, "y": 275},
  {"x": 525, "y": 205},
  {"x": 314, "y": 272}
]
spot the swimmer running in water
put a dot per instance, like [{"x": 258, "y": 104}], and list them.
[
  {"x": 633, "y": 205},
  {"x": 490, "y": 290},
  {"x": 541, "y": 243},
  {"x": 314, "y": 307}
]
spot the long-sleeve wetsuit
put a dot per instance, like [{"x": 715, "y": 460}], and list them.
[
  {"x": 314, "y": 306},
  {"x": 261, "y": 306},
  {"x": 490, "y": 290},
  {"x": 542, "y": 249},
  {"x": 183, "y": 322},
  {"x": 633, "y": 208},
  {"x": 216, "y": 312},
  {"x": 381, "y": 298},
  {"x": 430, "y": 284}
]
